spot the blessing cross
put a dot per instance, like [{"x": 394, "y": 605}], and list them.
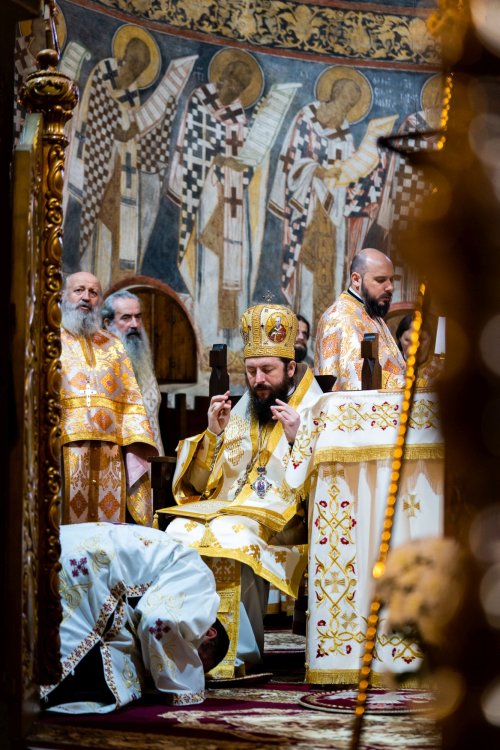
[{"x": 89, "y": 392}]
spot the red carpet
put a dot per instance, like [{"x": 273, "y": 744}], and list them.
[
  {"x": 272, "y": 715},
  {"x": 267, "y": 716},
  {"x": 152, "y": 716}
]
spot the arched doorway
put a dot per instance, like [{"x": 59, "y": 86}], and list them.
[{"x": 171, "y": 333}]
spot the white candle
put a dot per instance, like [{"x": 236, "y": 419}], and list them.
[{"x": 440, "y": 345}]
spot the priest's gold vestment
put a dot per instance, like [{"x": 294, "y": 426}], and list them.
[
  {"x": 106, "y": 436},
  {"x": 338, "y": 346}
]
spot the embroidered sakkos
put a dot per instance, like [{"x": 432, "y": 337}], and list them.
[
  {"x": 254, "y": 527},
  {"x": 338, "y": 346}
]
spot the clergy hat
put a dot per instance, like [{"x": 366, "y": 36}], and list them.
[{"x": 269, "y": 330}]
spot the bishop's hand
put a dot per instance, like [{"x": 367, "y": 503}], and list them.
[
  {"x": 219, "y": 412},
  {"x": 288, "y": 417}
]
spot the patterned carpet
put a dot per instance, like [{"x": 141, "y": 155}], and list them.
[
  {"x": 269, "y": 717},
  {"x": 263, "y": 717}
]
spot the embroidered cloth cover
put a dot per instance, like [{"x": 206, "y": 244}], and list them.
[{"x": 344, "y": 449}]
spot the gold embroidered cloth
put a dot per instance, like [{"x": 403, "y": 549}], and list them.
[
  {"x": 245, "y": 529},
  {"x": 338, "y": 346},
  {"x": 105, "y": 433},
  {"x": 113, "y": 409},
  {"x": 97, "y": 482},
  {"x": 344, "y": 449},
  {"x": 429, "y": 372}
]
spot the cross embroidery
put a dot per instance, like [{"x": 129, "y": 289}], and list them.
[
  {"x": 128, "y": 169},
  {"x": 89, "y": 392},
  {"x": 411, "y": 506},
  {"x": 159, "y": 628},
  {"x": 80, "y": 137},
  {"x": 110, "y": 74},
  {"x": 234, "y": 202},
  {"x": 79, "y": 566},
  {"x": 287, "y": 159},
  {"x": 210, "y": 99},
  {"x": 341, "y": 133},
  {"x": 24, "y": 57},
  {"x": 233, "y": 142},
  {"x": 128, "y": 97}
]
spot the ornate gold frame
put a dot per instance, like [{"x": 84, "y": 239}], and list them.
[{"x": 38, "y": 171}]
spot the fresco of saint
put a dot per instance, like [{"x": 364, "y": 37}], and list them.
[{"x": 218, "y": 257}]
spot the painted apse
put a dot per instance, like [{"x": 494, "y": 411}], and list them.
[{"x": 229, "y": 149}]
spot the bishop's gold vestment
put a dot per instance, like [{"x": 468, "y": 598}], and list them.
[
  {"x": 338, "y": 346},
  {"x": 106, "y": 436},
  {"x": 254, "y": 530}
]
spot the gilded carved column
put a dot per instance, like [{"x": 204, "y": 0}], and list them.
[{"x": 54, "y": 96}]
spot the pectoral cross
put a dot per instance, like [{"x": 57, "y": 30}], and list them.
[{"x": 89, "y": 392}]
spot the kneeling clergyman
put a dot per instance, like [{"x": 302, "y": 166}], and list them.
[
  {"x": 237, "y": 467},
  {"x": 139, "y": 609}
]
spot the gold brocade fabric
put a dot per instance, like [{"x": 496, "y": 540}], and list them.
[
  {"x": 139, "y": 501},
  {"x": 258, "y": 531},
  {"x": 338, "y": 346},
  {"x": 96, "y": 489},
  {"x": 100, "y": 398},
  {"x": 429, "y": 372},
  {"x": 227, "y": 574},
  {"x": 102, "y": 414}
]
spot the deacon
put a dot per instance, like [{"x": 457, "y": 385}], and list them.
[
  {"x": 122, "y": 315},
  {"x": 135, "y": 604},
  {"x": 106, "y": 436},
  {"x": 241, "y": 459},
  {"x": 359, "y": 310},
  {"x": 302, "y": 340}
]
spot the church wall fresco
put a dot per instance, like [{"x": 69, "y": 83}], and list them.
[{"x": 229, "y": 149}]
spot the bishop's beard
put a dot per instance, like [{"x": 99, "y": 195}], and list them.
[
  {"x": 79, "y": 321},
  {"x": 260, "y": 408}
]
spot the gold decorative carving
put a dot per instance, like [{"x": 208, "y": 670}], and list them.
[
  {"x": 54, "y": 96},
  {"x": 25, "y": 294},
  {"x": 28, "y": 187},
  {"x": 316, "y": 28}
]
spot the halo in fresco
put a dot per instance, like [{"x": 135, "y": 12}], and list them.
[
  {"x": 120, "y": 40},
  {"x": 26, "y": 26},
  {"x": 328, "y": 77},
  {"x": 254, "y": 90},
  {"x": 432, "y": 93}
]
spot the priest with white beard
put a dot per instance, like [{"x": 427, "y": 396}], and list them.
[
  {"x": 122, "y": 315},
  {"x": 106, "y": 437}
]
